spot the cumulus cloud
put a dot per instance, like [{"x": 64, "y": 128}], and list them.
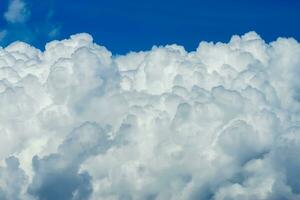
[
  {"x": 17, "y": 12},
  {"x": 56, "y": 175},
  {"x": 220, "y": 122}
]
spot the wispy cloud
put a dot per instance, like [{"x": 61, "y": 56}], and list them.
[
  {"x": 17, "y": 12},
  {"x": 21, "y": 24},
  {"x": 2, "y": 34}
]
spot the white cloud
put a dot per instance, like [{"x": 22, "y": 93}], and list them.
[
  {"x": 17, "y": 12},
  {"x": 221, "y": 122}
]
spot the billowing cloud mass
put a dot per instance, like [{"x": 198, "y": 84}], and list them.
[{"x": 220, "y": 123}]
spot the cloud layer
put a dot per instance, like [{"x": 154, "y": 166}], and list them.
[{"x": 221, "y": 122}]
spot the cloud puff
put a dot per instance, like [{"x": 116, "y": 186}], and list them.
[
  {"x": 221, "y": 122},
  {"x": 56, "y": 175},
  {"x": 17, "y": 12}
]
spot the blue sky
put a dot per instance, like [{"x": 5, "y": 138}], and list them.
[{"x": 135, "y": 25}]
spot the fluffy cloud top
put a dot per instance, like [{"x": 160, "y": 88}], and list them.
[{"x": 221, "y": 122}]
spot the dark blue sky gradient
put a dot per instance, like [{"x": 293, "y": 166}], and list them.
[{"x": 133, "y": 25}]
